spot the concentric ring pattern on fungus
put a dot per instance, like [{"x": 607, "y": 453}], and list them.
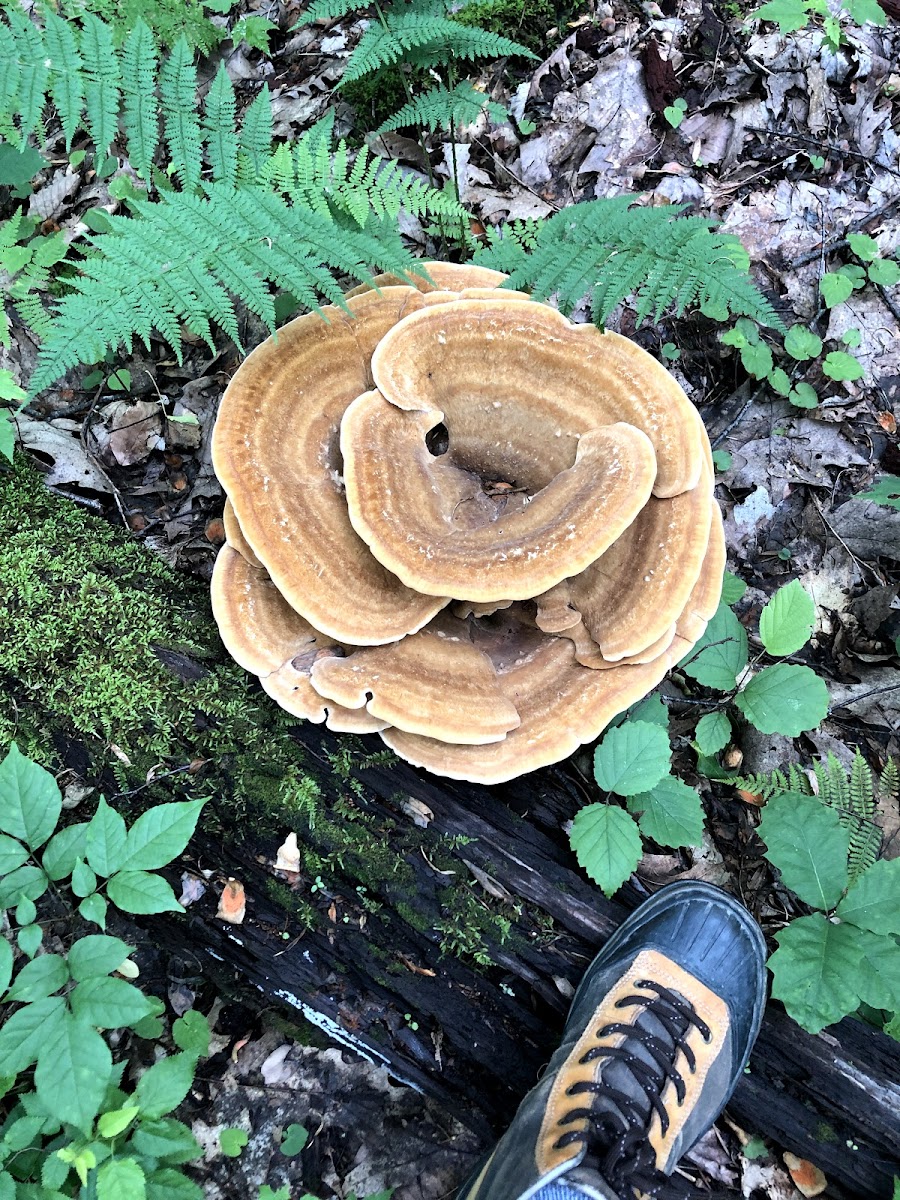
[{"x": 463, "y": 522}]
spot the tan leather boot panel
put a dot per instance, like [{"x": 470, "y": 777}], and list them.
[{"x": 710, "y": 1008}]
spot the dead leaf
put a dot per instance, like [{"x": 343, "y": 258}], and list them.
[
  {"x": 132, "y": 431},
  {"x": 232, "y": 903},
  {"x": 420, "y": 813},
  {"x": 70, "y": 463},
  {"x": 490, "y": 885}
]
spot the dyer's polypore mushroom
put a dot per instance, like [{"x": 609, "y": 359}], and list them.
[{"x": 461, "y": 520}]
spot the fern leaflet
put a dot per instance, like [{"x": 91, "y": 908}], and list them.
[
  {"x": 218, "y": 125},
  {"x": 608, "y": 250},
  {"x": 139, "y": 90},
  {"x": 101, "y": 82},
  {"x": 178, "y": 83},
  {"x": 446, "y": 108},
  {"x": 67, "y": 81},
  {"x": 256, "y": 136}
]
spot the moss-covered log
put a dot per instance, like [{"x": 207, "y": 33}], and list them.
[{"x": 437, "y": 926}]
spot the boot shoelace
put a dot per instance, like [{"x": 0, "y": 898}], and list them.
[{"x": 618, "y": 1144}]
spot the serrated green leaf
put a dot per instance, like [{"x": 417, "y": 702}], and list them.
[
  {"x": 873, "y": 902},
  {"x": 786, "y": 622},
  {"x": 26, "y": 912},
  {"x": 160, "y": 835},
  {"x": 815, "y": 971},
  {"x": 7, "y": 1186},
  {"x": 802, "y": 344},
  {"x": 165, "y": 1085},
  {"x": 713, "y": 733},
  {"x": 96, "y": 954},
  {"x": 106, "y": 840},
  {"x": 789, "y": 15},
  {"x": 607, "y": 844},
  {"x": 805, "y": 840},
  {"x": 26, "y": 1031},
  {"x": 784, "y": 699},
  {"x": 39, "y": 979},
  {"x": 632, "y": 758},
  {"x": 836, "y": 287},
  {"x": 650, "y": 709},
  {"x": 879, "y": 978},
  {"x": 232, "y": 1141},
  {"x": 191, "y": 1033},
  {"x": 721, "y": 653},
  {"x": 779, "y": 381},
  {"x": 73, "y": 1072},
  {"x": 866, "y": 10},
  {"x": 109, "y": 1003},
  {"x": 141, "y": 892},
  {"x": 671, "y": 813},
  {"x": 121, "y": 1179},
  {"x": 863, "y": 246},
  {"x": 841, "y": 366},
  {"x": 63, "y": 851},
  {"x": 166, "y": 1140},
  {"x": 30, "y": 801},
  {"x": 884, "y": 271},
  {"x": 12, "y": 854},
  {"x": 732, "y": 588},
  {"x": 886, "y": 491},
  {"x": 22, "y": 1132},
  {"x": 111, "y": 1124}
]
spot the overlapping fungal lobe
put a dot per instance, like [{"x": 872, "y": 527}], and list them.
[{"x": 460, "y": 520}]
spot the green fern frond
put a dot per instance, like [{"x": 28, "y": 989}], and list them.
[
  {"x": 141, "y": 113},
  {"x": 328, "y": 10},
  {"x": 218, "y": 127},
  {"x": 608, "y": 250},
  {"x": 444, "y": 108},
  {"x": 102, "y": 80},
  {"x": 771, "y": 783},
  {"x": 67, "y": 77},
  {"x": 185, "y": 259},
  {"x": 889, "y": 783},
  {"x": 256, "y": 136},
  {"x": 32, "y": 72},
  {"x": 424, "y": 38},
  {"x": 178, "y": 92}
]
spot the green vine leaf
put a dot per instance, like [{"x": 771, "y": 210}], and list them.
[
  {"x": 670, "y": 813},
  {"x": 720, "y": 654},
  {"x": 30, "y": 801},
  {"x": 713, "y": 733}
]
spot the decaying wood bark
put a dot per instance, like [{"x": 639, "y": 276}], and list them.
[{"x": 477, "y": 1038}]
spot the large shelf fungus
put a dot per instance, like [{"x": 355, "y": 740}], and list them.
[{"x": 460, "y": 520}]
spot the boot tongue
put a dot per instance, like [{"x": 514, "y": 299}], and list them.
[{"x": 626, "y": 1095}]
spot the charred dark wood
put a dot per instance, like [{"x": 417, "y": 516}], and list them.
[{"x": 476, "y": 1037}]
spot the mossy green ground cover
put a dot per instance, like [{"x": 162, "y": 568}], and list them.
[{"x": 111, "y": 662}]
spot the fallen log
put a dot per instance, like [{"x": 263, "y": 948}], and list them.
[{"x": 471, "y": 1016}]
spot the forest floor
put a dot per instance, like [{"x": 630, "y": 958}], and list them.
[{"x": 790, "y": 145}]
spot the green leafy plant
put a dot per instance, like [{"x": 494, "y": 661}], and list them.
[
  {"x": 70, "y": 1128},
  {"x": 825, "y": 846},
  {"x": 791, "y": 15},
  {"x": 886, "y": 491},
  {"x": 633, "y": 761},
  {"x": 26, "y": 261},
  {"x": 425, "y": 36},
  {"x": 608, "y": 250},
  {"x": 674, "y": 112}
]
